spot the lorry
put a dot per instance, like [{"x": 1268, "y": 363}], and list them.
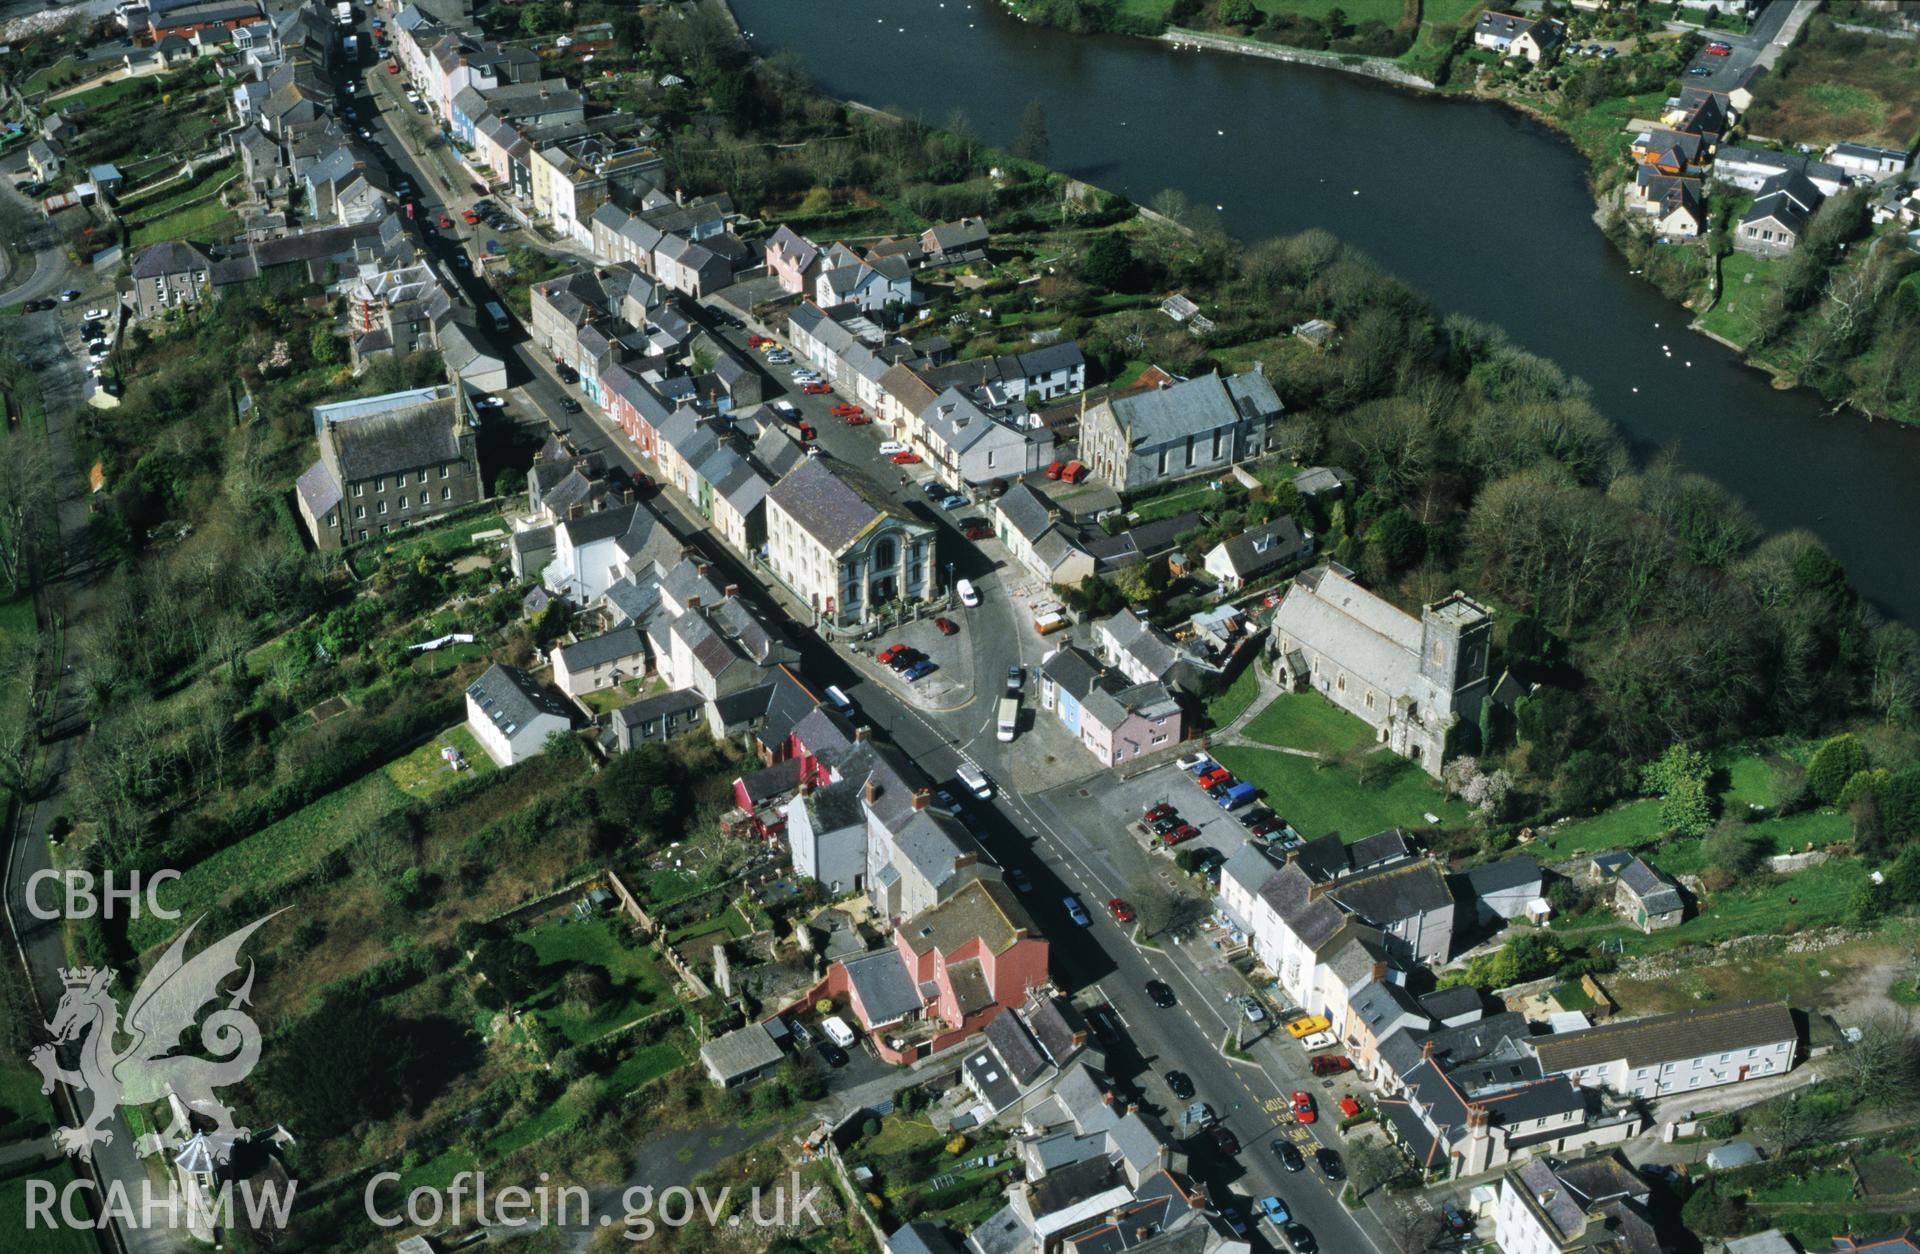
[{"x": 1009, "y": 718}]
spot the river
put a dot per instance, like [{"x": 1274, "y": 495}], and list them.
[{"x": 1484, "y": 210}]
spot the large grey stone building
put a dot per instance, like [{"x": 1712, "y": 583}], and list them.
[
  {"x": 1191, "y": 428},
  {"x": 388, "y": 462},
  {"x": 1415, "y": 680}
]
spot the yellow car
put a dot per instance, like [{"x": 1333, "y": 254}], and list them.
[{"x": 1307, "y": 1025}]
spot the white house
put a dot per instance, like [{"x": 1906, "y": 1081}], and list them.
[
  {"x": 602, "y": 661},
  {"x": 1676, "y": 1053},
  {"x": 511, "y": 715},
  {"x": 841, "y": 545},
  {"x": 1596, "y": 1203}
]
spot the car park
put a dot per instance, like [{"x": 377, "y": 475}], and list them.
[
  {"x": 1328, "y": 1160},
  {"x": 1120, "y": 910},
  {"x": 1289, "y": 1154},
  {"x": 1300, "y": 1238},
  {"x": 1160, "y": 993},
  {"x": 1224, "y": 1141},
  {"x": 1303, "y": 1108},
  {"x": 1180, "y": 1084},
  {"x": 1274, "y": 1210},
  {"x": 1076, "y": 911},
  {"x": 947, "y": 626}
]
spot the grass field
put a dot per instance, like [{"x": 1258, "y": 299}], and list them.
[
  {"x": 1447, "y": 11},
  {"x": 439, "y": 542},
  {"x": 46, "y": 76},
  {"x": 210, "y": 221},
  {"x": 1228, "y": 706},
  {"x": 298, "y": 843},
  {"x": 1746, "y": 284},
  {"x": 174, "y": 197},
  {"x": 638, "y": 983},
  {"x": 1201, "y": 496},
  {"x": 42, "y": 1240},
  {"x": 1318, "y": 799},
  {"x": 1306, "y": 720},
  {"x": 1835, "y": 85},
  {"x": 1357, "y": 11}
]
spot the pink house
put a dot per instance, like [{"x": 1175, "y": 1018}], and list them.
[
  {"x": 951, "y": 969},
  {"x": 1120, "y": 726},
  {"x": 636, "y": 407},
  {"x": 792, "y": 259}
]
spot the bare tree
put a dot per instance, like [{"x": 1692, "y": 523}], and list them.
[
  {"x": 27, "y": 513},
  {"x": 1883, "y": 1066},
  {"x": 1795, "y": 1122}
]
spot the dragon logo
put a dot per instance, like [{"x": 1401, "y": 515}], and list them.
[{"x": 167, "y": 1006}]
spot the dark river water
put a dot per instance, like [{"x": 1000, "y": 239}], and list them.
[{"x": 1485, "y": 211}]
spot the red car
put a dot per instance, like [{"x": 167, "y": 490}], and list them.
[
  {"x": 1217, "y": 775},
  {"x": 393, "y": 67},
  {"x": 1056, "y": 469},
  {"x": 1184, "y": 832},
  {"x": 816, "y": 389},
  {"x": 1303, "y": 1106},
  {"x": 905, "y": 459},
  {"x": 947, "y": 626},
  {"x": 755, "y": 341},
  {"x": 885, "y": 656},
  {"x": 978, "y": 531},
  {"x": 445, "y": 222},
  {"x": 1329, "y": 1064},
  {"x": 844, "y": 410},
  {"x": 858, "y": 420},
  {"x": 1120, "y": 910},
  {"x": 1161, "y": 811},
  {"x": 1719, "y": 50},
  {"x": 1075, "y": 472},
  {"x": 469, "y": 217},
  {"x": 807, "y": 432}
]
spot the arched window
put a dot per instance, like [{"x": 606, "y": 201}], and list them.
[{"x": 886, "y": 553}]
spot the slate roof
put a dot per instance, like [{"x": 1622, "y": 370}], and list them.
[
  {"x": 1788, "y": 198},
  {"x": 1504, "y": 875},
  {"x": 1260, "y": 549},
  {"x": 1368, "y": 636},
  {"x": 675, "y": 701},
  {"x": 1026, "y": 511},
  {"x": 1056, "y": 1025},
  {"x": 1445, "y": 1003},
  {"x": 832, "y": 502},
  {"x": 512, "y": 698},
  {"x": 611, "y": 646},
  {"x": 742, "y": 1051},
  {"x": 1656, "y": 892},
  {"x": 1194, "y": 407},
  {"x": 1671, "y": 1037},
  {"x": 1393, "y": 892},
  {"x": 172, "y": 257},
  {"x": 1016, "y": 1047},
  {"x": 886, "y": 989},
  {"x": 403, "y": 439},
  {"x": 318, "y": 489}
]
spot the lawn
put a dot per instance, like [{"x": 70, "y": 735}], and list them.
[
  {"x": 1825, "y": 1186},
  {"x": 439, "y": 541},
  {"x": 649, "y": 1063},
  {"x": 1357, "y": 11},
  {"x": 296, "y": 844},
  {"x": 1201, "y": 496},
  {"x": 58, "y": 1239},
  {"x": 1746, "y": 283},
  {"x": 175, "y": 197},
  {"x": 22, "y": 1101},
  {"x": 1229, "y": 705},
  {"x": 211, "y": 221},
  {"x": 1836, "y": 85},
  {"x": 1448, "y": 12},
  {"x": 1318, "y": 799},
  {"x": 44, "y": 78},
  {"x": 1600, "y": 131},
  {"x": 1305, "y": 720},
  {"x": 638, "y": 983}
]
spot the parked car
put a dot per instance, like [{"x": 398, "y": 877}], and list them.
[
  {"x": 1054, "y": 469},
  {"x": 780, "y": 357},
  {"x": 968, "y": 597},
  {"x": 1303, "y": 1108},
  {"x": 845, "y": 410},
  {"x": 97, "y": 315},
  {"x": 1250, "y": 1007},
  {"x": 885, "y": 656},
  {"x": 1194, "y": 763},
  {"x": 1699, "y": 71},
  {"x": 1180, "y": 834},
  {"x": 567, "y": 373},
  {"x": 1014, "y": 676},
  {"x": 832, "y": 1054},
  {"x": 1224, "y": 1140},
  {"x": 393, "y": 67},
  {"x": 858, "y": 420},
  {"x": 1213, "y": 775},
  {"x": 954, "y": 501},
  {"x": 1160, "y": 993},
  {"x": 1076, "y": 911},
  {"x": 1288, "y": 1153},
  {"x": 1019, "y": 880},
  {"x": 1157, "y": 812},
  {"x": 759, "y": 341},
  {"x": 977, "y": 531},
  {"x": 889, "y": 447},
  {"x": 1120, "y": 910},
  {"x": 947, "y": 626},
  {"x": 470, "y": 217},
  {"x": 815, "y": 388},
  {"x": 69, "y": 296},
  {"x": 1307, "y": 1025},
  {"x": 1328, "y": 1161},
  {"x": 35, "y": 306},
  {"x": 1329, "y": 1064},
  {"x": 920, "y": 670},
  {"x": 947, "y": 800},
  {"x": 1274, "y": 1210},
  {"x": 1181, "y": 1085},
  {"x": 1718, "y": 49},
  {"x": 905, "y": 459},
  {"x": 1301, "y": 1238},
  {"x": 570, "y": 405}
]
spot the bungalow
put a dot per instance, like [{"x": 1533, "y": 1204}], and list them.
[
  {"x": 740, "y": 1056},
  {"x": 1749, "y": 169},
  {"x": 1866, "y": 160}
]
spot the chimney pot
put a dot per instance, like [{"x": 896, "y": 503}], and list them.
[
  {"x": 1380, "y": 970},
  {"x": 693, "y": 602},
  {"x": 862, "y": 733},
  {"x": 1106, "y": 1099},
  {"x": 1426, "y": 1049}
]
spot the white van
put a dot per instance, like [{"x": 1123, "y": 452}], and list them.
[
  {"x": 1009, "y": 718},
  {"x": 975, "y": 781},
  {"x": 840, "y": 700},
  {"x": 837, "y": 1031}
]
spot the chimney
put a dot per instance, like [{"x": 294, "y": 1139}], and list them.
[
  {"x": 575, "y": 510},
  {"x": 806, "y": 788},
  {"x": 693, "y": 602},
  {"x": 1293, "y": 857},
  {"x": 1380, "y": 971},
  {"x": 701, "y": 568},
  {"x": 731, "y": 591},
  {"x": 872, "y": 790},
  {"x": 1106, "y": 1099},
  {"x": 862, "y": 733},
  {"x": 920, "y": 798},
  {"x": 1477, "y": 1120},
  {"x": 1426, "y": 1050}
]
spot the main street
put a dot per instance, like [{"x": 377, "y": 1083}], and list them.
[{"x": 1056, "y": 849}]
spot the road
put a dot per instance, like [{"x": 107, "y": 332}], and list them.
[
  {"x": 51, "y": 344},
  {"x": 1724, "y": 73}
]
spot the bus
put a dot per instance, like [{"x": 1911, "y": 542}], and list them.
[{"x": 1009, "y": 717}]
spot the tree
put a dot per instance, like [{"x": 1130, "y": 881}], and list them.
[
  {"x": 1796, "y": 1122},
  {"x": 1108, "y": 264},
  {"x": 1240, "y": 13},
  {"x": 1687, "y": 810},
  {"x": 1731, "y": 855},
  {"x": 1031, "y": 142},
  {"x": 1836, "y": 762},
  {"x": 324, "y": 348},
  {"x": 1371, "y": 1164},
  {"x": 1159, "y": 908},
  {"x": 1667, "y": 772},
  {"x": 1882, "y": 1068},
  {"x": 509, "y": 966}
]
